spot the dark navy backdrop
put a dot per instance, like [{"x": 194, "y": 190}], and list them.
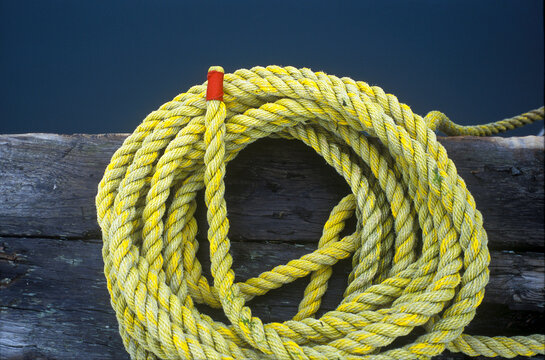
[{"x": 101, "y": 66}]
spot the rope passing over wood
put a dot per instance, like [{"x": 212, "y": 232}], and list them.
[{"x": 419, "y": 251}]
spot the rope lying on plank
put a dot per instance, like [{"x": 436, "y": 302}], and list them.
[{"x": 419, "y": 251}]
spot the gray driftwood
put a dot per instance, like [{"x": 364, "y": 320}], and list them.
[{"x": 53, "y": 298}]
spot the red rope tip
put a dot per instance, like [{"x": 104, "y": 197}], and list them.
[{"x": 214, "y": 91}]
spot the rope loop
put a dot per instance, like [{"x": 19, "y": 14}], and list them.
[{"x": 419, "y": 251}]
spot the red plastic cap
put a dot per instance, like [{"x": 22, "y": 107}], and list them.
[{"x": 214, "y": 91}]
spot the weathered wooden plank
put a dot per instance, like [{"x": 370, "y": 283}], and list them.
[
  {"x": 49, "y": 181},
  {"x": 54, "y": 302},
  {"x": 53, "y": 298},
  {"x": 276, "y": 189}
]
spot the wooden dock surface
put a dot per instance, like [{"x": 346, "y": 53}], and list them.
[{"x": 53, "y": 298}]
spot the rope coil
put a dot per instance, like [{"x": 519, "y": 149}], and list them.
[{"x": 419, "y": 251}]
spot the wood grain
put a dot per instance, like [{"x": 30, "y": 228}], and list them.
[
  {"x": 276, "y": 189},
  {"x": 53, "y": 298},
  {"x": 54, "y": 302}
]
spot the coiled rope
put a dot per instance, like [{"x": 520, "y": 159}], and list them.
[{"x": 420, "y": 256}]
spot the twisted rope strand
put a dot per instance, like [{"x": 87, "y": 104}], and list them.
[{"x": 419, "y": 250}]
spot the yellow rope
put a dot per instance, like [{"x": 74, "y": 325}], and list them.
[{"x": 420, "y": 256}]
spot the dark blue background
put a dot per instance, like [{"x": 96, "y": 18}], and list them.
[{"x": 102, "y": 66}]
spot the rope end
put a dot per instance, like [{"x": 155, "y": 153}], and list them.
[
  {"x": 216, "y": 68},
  {"x": 214, "y": 91}
]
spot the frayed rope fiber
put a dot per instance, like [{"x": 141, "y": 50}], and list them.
[{"x": 419, "y": 251}]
